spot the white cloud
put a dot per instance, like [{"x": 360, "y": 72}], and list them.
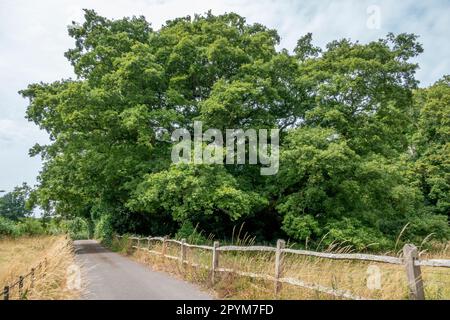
[
  {"x": 16, "y": 138},
  {"x": 18, "y": 131},
  {"x": 33, "y": 39}
]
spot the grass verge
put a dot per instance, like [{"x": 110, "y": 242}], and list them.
[
  {"x": 349, "y": 276},
  {"x": 19, "y": 255}
]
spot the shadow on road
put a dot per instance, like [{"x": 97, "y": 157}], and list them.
[{"x": 88, "y": 247}]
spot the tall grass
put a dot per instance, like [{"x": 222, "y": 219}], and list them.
[
  {"x": 351, "y": 276},
  {"x": 19, "y": 255}
]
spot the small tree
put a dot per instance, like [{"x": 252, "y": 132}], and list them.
[{"x": 13, "y": 205}]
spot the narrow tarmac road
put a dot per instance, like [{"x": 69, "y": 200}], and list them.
[{"x": 110, "y": 276}]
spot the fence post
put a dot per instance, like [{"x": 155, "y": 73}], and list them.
[
  {"x": 32, "y": 277},
  {"x": 278, "y": 264},
  {"x": 6, "y": 293},
  {"x": 413, "y": 272},
  {"x": 148, "y": 243},
  {"x": 20, "y": 287},
  {"x": 164, "y": 246},
  {"x": 215, "y": 261},
  {"x": 139, "y": 243},
  {"x": 183, "y": 251},
  {"x": 44, "y": 267}
]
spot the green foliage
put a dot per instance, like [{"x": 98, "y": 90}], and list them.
[
  {"x": 300, "y": 227},
  {"x": 13, "y": 205},
  {"x": 363, "y": 151},
  {"x": 103, "y": 229},
  {"x": 76, "y": 228},
  {"x": 190, "y": 233},
  {"x": 25, "y": 226},
  {"x": 31, "y": 227},
  {"x": 363, "y": 91},
  {"x": 189, "y": 190},
  {"x": 55, "y": 227},
  {"x": 324, "y": 183},
  {"x": 431, "y": 144},
  {"x": 8, "y": 227},
  {"x": 427, "y": 225},
  {"x": 123, "y": 245},
  {"x": 350, "y": 231}
]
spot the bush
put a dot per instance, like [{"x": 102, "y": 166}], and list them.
[
  {"x": 122, "y": 245},
  {"x": 350, "y": 231},
  {"x": 190, "y": 233},
  {"x": 300, "y": 227},
  {"x": 31, "y": 227},
  {"x": 104, "y": 230},
  {"x": 77, "y": 228},
  {"x": 427, "y": 225},
  {"x": 8, "y": 227},
  {"x": 55, "y": 227}
]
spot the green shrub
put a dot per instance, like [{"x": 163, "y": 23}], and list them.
[
  {"x": 55, "y": 227},
  {"x": 430, "y": 225},
  {"x": 352, "y": 232},
  {"x": 122, "y": 244},
  {"x": 8, "y": 227},
  {"x": 77, "y": 228},
  {"x": 103, "y": 229},
  {"x": 31, "y": 227},
  {"x": 300, "y": 227},
  {"x": 190, "y": 233}
]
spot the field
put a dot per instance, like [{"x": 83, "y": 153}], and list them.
[
  {"x": 19, "y": 255},
  {"x": 342, "y": 275}
]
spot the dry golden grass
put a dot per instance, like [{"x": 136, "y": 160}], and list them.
[
  {"x": 351, "y": 276},
  {"x": 18, "y": 256}
]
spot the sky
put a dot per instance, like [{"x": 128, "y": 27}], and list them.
[{"x": 33, "y": 39}]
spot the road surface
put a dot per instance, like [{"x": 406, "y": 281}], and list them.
[{"x": 110, "y": 276}]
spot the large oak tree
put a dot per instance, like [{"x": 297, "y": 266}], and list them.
[{"x": 345, "y": 115}]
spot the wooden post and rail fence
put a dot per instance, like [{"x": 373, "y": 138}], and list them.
[
  {"x": 39, "y": 270},
  {"x": 410, "y": 260}
]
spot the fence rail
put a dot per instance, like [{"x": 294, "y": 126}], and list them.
[
  {"x": 410, "y": 260},
  {"x": 20, "y": 283},
  {"x": 347, "y": 256}
]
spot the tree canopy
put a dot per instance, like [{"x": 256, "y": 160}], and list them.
[
  {"x": 364, "y": 151},
  {"x": 13, "y": 205}
]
